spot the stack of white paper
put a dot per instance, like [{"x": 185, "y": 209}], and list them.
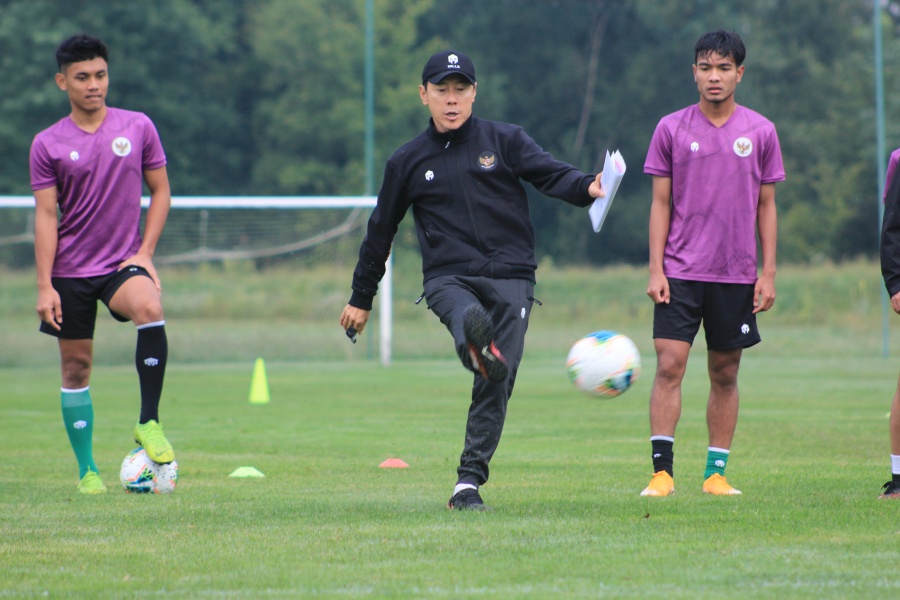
[{"x": 613, "y": 171}]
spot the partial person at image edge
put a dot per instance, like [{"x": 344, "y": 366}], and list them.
[{"x": 890, "y": 271}]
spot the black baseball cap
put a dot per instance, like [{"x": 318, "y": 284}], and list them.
[{"x": 446, "y": 63}]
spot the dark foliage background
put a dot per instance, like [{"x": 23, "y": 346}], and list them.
[{"x": 266, "y": 97}]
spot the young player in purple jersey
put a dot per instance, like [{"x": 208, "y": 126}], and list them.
[
  {"x": 714, "y": 168},
  {"x": 87, "y": 173}
]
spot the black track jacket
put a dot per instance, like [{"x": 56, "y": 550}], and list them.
[
  {"x": 469, "y": 205},
  {"x": 890, "y": 238}
]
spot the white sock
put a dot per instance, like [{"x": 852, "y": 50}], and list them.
[
  {"x": 895, "y": 464},
  {"x": 463, "y": 486}
]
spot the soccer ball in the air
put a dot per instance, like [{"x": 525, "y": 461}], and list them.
[
  {"x": 140, "y": 475},
  {"x": 603, "y": 363}
]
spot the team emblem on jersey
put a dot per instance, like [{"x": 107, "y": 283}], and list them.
[
  {"x": 487, "y": 160},
  {"x": 429, "y": 175},
  {"x": 743, "y": 147},
  {"x": 121, "y": 146},
  {"x": 694, "y": 146},
  {"x": 74, "y": 155}
]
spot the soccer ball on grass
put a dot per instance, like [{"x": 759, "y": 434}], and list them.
[
  {"x": 140, "y": 475},
  {"x": 603, "y": 364}
]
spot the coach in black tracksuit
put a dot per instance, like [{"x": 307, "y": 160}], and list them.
[{"x": 461, "y": 176}]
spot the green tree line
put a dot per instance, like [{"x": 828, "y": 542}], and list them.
[{"x": 266, "y": 97}]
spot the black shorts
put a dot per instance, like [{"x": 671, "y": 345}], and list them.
[
  {"x": 726, "y": 310},
  {"x": 78, "y": 297}
]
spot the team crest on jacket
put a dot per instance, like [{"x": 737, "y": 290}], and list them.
[
  {"x": 121, "y": 146},
  {"x": 743, "y": 147},
  {"x": 487, "y": 160}
]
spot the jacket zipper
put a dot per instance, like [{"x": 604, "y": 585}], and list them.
[{"x": 469, "y": 209}]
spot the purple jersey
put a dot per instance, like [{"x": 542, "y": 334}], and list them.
[
  {"x": 99, "y": 179},
  {"x": 891, "y": 169},
  {"x": 716, "y": 176}
]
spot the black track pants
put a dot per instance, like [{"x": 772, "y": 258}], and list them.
[{"x": 508, "y": 302}]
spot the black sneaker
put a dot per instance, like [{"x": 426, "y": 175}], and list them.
[
  {"x": 467, "y": 499},
  {"x": 891, "y": 490},
  {"x": 479, "y": 330}
]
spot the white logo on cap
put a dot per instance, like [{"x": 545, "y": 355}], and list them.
[{"x": 453, "y": 59}]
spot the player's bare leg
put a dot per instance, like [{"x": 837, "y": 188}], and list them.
[
  {"x": 665, "y": 396},
  {"x": 891, "y": 489},
  {"x": 138, "y": 299},
  {"x": 721, "y": 417},
  {"x": 722, "y": 408},
  {"x": 895, "y": 422},
  {"x": 665, "y": 410},
  {"x": 76, "y": 360}
]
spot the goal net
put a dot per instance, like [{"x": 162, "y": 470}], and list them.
[{"x": 300, "y": 234}]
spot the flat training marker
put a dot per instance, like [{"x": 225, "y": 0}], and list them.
[{"x": 246, "y": 472}]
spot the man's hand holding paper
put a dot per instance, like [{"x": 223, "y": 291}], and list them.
[{"x": 613, "y": 171}]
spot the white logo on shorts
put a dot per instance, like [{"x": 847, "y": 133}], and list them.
[
  {"x": 523, "y": 312},
  {"x": 745, "y": 328},
  {"x": 121, "y": 146},
  {"x": 151, "y": 362},
  {"x": 79, "y": 424},
  {"x": 74, "y": 155},
  {"x": 429, "y": 175}
]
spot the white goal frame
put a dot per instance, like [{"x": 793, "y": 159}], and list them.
[{"x": 385, "y": 295}]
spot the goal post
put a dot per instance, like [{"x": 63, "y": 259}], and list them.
[{"x": 234, "y": 228}]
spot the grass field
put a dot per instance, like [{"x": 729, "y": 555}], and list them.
[{"x": 810, "y": 455}]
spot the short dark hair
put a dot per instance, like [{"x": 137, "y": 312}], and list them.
[
  {"x": 79, "y": 48},
  {"x": 727, "y": 44}
]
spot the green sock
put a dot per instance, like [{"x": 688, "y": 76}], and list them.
[
  {"x": 78, "y": 416},
  {"x": 716, "y": 458}
]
